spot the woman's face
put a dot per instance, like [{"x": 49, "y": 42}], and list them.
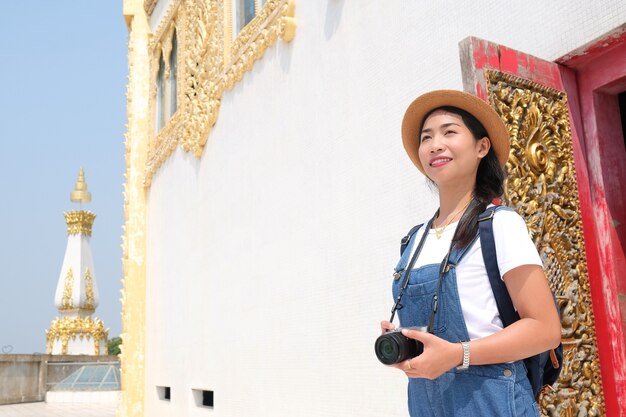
[{"x": 448, "y": 151}]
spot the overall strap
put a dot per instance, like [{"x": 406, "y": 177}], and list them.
[
  {"x": 456, "y": 255},
  {"x": 406, "y": 245},
  {"x": 451, "y": 260},
  {"x": 406, "y": 239},
  {"x": 409, "y": 268},
  {"x": 508, "y": 315}
]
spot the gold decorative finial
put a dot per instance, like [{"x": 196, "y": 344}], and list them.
[{"x": 80, "y": 193}]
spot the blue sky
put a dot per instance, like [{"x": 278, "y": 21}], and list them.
[{"x": 63, "y": 106}]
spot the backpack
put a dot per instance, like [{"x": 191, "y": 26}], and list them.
[{"x": 544, "y": 368}]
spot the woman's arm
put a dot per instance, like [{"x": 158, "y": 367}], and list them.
[{"x": 538, "y": 330}]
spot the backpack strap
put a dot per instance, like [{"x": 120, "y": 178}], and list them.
[
  {"x": 544, "y": 368},
  {"x": 508, "y": 315},
  {"x": 406, "y": 239}
]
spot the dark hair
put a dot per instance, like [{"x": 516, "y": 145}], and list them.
[{"x": 489, "y": 179}]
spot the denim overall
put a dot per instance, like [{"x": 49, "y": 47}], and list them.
[{"x": 482, "y": 390}]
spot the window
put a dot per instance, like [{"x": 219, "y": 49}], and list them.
[
  {"x": 166, "y": 88},
  {"x": 203, "y": 398},
  {"x": 164, "y": 393},
  {"x": 243, "y": 13},
  {"x": 172, "y": 78},
  {"x": 160, "y": 100}
]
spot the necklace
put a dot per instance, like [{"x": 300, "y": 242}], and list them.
[{"x": 439, "y": 230}]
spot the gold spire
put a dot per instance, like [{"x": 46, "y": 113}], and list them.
[{"x": 80, "y": 193}]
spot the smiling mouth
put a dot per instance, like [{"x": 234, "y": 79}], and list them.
[{"x": 439, "y": 161}]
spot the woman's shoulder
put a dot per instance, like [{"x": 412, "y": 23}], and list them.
[
  {"x": 506, "y": 217},
  {"x": 514, "y": 245}
]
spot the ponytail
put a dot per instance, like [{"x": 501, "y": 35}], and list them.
[{"x": 489, "y": 185}]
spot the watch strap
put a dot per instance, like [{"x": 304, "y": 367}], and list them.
[{"x": 466, "y": 356}]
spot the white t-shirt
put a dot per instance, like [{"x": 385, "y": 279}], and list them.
[{"x": 513, "y": 248}]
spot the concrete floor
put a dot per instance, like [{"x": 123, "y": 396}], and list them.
[{"x": 42, "y": 409}]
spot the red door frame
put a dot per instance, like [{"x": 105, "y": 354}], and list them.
[
  {"x": 600, "y": 75},
  {"x": 478, "y": 55},
  {"x": 595, "y": 75}
]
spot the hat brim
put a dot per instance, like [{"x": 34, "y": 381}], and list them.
[{"x": 414, "y": 117}]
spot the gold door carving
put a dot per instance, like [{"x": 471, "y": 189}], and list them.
[{"x": 542, "y": 188}]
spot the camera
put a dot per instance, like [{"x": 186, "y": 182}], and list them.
[{"x": 394, "y": 347}]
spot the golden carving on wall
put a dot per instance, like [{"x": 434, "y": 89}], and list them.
[
  {"x": 208, "y": 64},
  {"x": 203, "y": 52},
  {"x": 89, "y": 301},
  {"x": 76, "y": 327},
  {"x": 66, "y": 301},
  {"x": 542, "y": 188},
  {"x": 275, "y": 20},
  {"x": 79, "y": 222}
]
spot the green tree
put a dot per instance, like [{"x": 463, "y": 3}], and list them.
[{"x": 114, "y": 345}]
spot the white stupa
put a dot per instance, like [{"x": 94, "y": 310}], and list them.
[{"x": 76, "y": 332}]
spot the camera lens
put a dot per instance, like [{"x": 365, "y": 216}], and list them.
[
  {"x": 388, "y": 349},
  {"x": 394, "y": 347}
]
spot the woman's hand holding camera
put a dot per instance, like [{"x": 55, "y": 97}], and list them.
[
  {"x": 438, "y": 357},
  {"x": 386, "y": 326}
]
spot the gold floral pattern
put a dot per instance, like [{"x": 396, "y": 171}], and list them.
[
  {"x": 70, "y": 328},
  {"x": 89, "y": 301},
  {"x": 79, "y": 222},
  {"x": 542, "y": 188},
  {"x": 66, "y": 301}
]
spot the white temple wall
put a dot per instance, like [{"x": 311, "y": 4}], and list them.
[{"x": 270, "y": 257}]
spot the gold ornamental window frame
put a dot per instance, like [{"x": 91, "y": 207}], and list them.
[
  {"x": 161, "y": 43},
  {"x": 210, "y": 60}
]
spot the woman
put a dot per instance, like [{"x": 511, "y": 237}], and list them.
[{"x": 460, "y": 144}]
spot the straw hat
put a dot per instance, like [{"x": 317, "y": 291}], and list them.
[{"x": 421, "y": 106}]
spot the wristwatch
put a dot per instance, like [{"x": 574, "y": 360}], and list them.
[{"x": 466, "y": 356}]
